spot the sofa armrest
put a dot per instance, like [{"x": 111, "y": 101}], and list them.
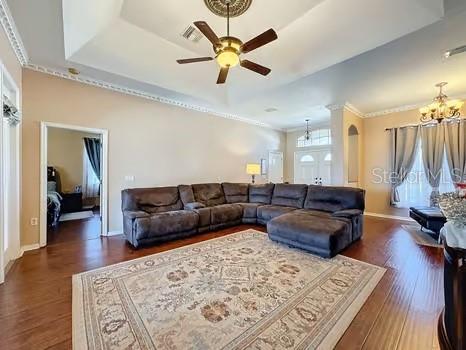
[
  {"x": 347, "y": 213},
  {"x": 193, "y": 206},
  {"x": 135, "y": 214}
]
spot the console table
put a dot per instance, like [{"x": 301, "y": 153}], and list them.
[{"x": 452, "y": 320}]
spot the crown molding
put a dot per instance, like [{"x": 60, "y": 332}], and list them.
[
  {"x": 348, "y": 106},
  {"x": 394, "y": 110},
  {"x": 12, "y": 33},
  {"x": 19, "y": 49},
  {"x": 142, "y": 94}
]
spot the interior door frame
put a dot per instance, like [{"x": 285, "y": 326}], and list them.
[
  {"x": 280, "y": 153},
  {"x": 4, "y": 196},
  {"x": 44, "y": 126}
]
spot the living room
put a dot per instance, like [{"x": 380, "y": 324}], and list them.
[{"x": 265, "y": 196}]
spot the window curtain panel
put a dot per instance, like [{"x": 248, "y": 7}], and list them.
[
  {"x": 403, "y": 145},
  {"x": 92, "y": 146},
  {"x": 433, "y": 146},
  {"x": 455, "y": 141}
]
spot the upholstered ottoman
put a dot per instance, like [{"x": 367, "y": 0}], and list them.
[
  {"x": 319, "y": 235},
  {"x": 429, "y": 218}
]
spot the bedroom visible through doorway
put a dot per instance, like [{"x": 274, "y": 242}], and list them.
[{"x": 74, "y": 199}]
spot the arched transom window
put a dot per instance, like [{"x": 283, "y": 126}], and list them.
[{"x": 319, "y": 137}]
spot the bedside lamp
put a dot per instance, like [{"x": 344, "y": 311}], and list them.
[{"x": 253, "y": 170}]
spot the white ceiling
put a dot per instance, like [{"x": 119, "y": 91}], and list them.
[{"x": 328, "y": 51}]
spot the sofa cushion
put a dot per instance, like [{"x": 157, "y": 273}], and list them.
[
  {"x": 166, "y": 223},
  {"x": 186, "y": 194},
  {"x": 333, "y": 199},
  {"x": 323, "y": 236},
  {"x": 235, "y": 192},
  {"x": 209, "y": 194},
  {"x": 225, "y": 213},
  {"x": 151, "y": 200},
  {"x": 289, "y": 195},
  {"x": 250, "y": 210},
  {"x": 318, "y": 213},
  {"x": 261, "y": 193},
  {"x": 268, "y": 212}
]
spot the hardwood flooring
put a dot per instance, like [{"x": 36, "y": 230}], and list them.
[{"x": 401, "y": 313}]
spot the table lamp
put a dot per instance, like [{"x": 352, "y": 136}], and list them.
[{"x": 253, "y": 169}]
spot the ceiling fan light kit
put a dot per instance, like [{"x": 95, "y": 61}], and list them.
[{"x": 228, "y": 49}]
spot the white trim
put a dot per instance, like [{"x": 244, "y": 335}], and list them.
[
  {"x": 29, "y": 247},
  {"x": 139, "y": 93},
  {"x": 12, "y": 33},
  {"x": 114, "y": 233},
  {"x": 393, "y": 217},
  {"x": 43, "y": 176}
]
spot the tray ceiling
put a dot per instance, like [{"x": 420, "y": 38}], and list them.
[{"x": 136, "y": 44}]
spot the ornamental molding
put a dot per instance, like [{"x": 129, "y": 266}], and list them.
[
  {"x": 219, "y": 7},
  {"x": 142, "y": 94},
  {"x": 12, "y": 33}
]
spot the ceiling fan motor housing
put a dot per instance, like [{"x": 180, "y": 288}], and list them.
[{"x": 228, "y": 51}]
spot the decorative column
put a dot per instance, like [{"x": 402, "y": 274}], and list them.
[{"x": 338, "y": 161}]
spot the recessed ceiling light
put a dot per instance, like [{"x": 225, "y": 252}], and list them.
[
  {"x": 270, "y": 110},
  {"x": 73, "y": 71}
]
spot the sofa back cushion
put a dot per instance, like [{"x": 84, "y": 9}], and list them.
[
  {"x": 186, "y": 194},
  {"x": 289, "y": 195},
  {"x": 261, "y": 193},
  {"x": 151, "y": 200},
  {"x": 235, "y": 192},
  {"x": 209, "y": 194},
  {"x": 331, "y": 199}
]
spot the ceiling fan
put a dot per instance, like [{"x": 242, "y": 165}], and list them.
[{"x": 228, "y": 49}]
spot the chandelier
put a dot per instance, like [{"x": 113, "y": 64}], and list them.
[
  {"x": 307, "y": 135},
  {"x": 441, "y": 108}
]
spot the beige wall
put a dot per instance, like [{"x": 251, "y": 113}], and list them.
[
  {"x": 376, "y": 156},
  {"x": 156, "y": 143},
  {"x": 349, "y": 119},
  {"x": 65, "y": 153}
]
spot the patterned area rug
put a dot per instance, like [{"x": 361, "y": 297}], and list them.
[
  {"x": 235, "y": 292},
  {"x": 421, "y": 237}
]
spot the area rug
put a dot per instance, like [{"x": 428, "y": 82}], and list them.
[
  {"x": 79, "y": 215},
  {"x": 421, "y": 237},
  {"x": 235, "y": 292}
]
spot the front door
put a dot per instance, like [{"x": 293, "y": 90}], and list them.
[{"x": 312, "y": 167}]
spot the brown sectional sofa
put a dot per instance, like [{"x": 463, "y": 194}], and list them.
[{"x": 322, "y": 220}]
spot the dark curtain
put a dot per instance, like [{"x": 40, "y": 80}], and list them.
[{"x": 93, "y": 152}]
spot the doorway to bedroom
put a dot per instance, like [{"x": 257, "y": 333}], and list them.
[{"x": 73, "y": 182}]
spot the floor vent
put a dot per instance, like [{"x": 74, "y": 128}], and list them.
[{"x": 191, "y": 33}]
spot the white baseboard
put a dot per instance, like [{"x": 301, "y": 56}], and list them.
[
  {"x": 393, "y": 217},
  {"x": 26, "y": 248},
  {"x": 114, "y": 233}
]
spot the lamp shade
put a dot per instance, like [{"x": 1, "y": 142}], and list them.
[{"x": 253, "y": 169}]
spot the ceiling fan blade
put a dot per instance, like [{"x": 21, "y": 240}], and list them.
[
  {"x": 222, "y": 77},
  {"x": 255, "y": 67},
  {"x": 259, "y": 41},
  {"x": 208, "y": 32},
  {"x": 194, "y": 60}
]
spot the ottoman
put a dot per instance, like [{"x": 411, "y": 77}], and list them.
[
  {"x": 429, "y": 218},
  {"x": 323, "y": 236}
]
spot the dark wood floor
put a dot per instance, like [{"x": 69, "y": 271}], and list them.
[{"x": 401, "y": 313}]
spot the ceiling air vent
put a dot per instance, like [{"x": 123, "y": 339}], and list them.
[
  {"x": 192, "y": 34},
  {"x": 271, "y": 110}
]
